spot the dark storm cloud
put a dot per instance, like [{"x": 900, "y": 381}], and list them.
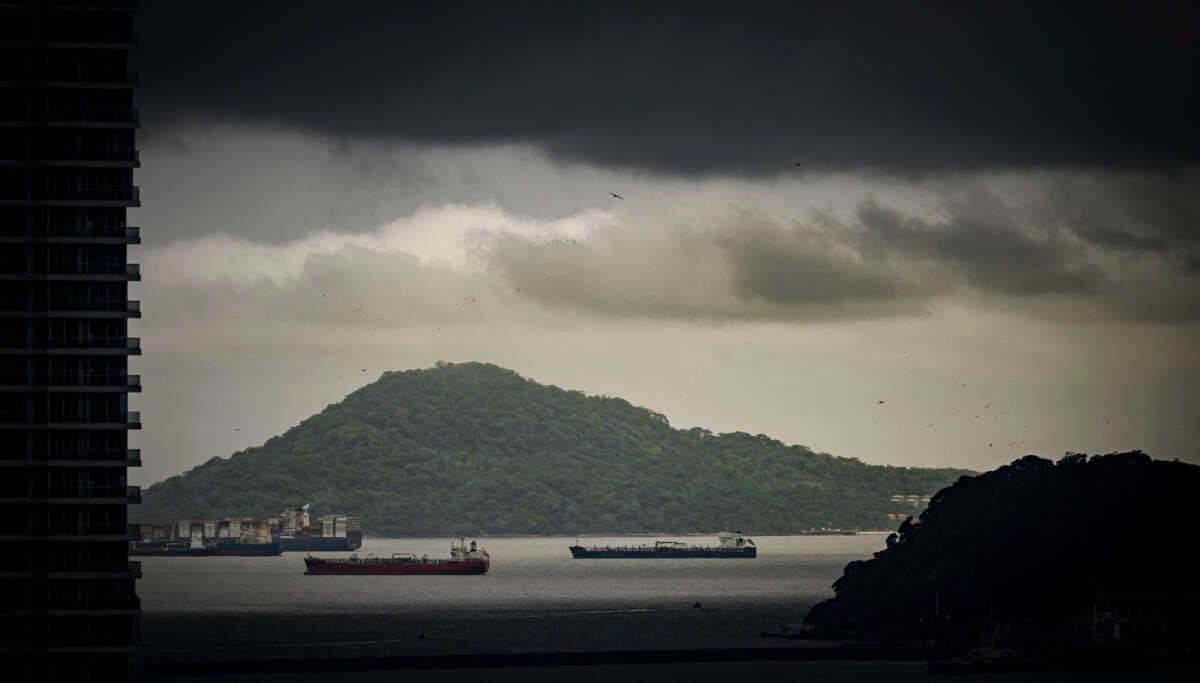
[
  {"x": 1021, "y": 240},
  {"x": 697, "y": 88},
  {"x": 980, "y": 242},
  {"x": 1138, "y": 213}
]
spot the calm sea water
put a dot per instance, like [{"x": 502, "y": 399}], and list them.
[
  {"x": 526, "y": 573},
  {"x": 535, "y": 599}
]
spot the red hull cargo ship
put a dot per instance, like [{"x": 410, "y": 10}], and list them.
[{"x": 463, "y": 560}]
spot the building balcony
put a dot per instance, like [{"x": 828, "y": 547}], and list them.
[
  {"x": 76, "y": 5},
  {"x": 62, "y": 156},
  {"x": 119, "y": 272},
  {"x": 121, "y": 234},
  {"x": 133, "y": 420},
  {"x": 75, "y": 309},
  {"x": 72, "y": 78},
  {"x": 96, "y": 346},
  {"x": 89, "y": 531},
  {"x": 78, "y": 118},
  {"x": 63, "y": 37},
  {"x": 87, "y": 569},
  {"x": 130, "y": 495},
  {"x": 117, "y": 569},
  {"x": 71, "y": 385},
  {"x": 89, "y": 603},
  {"x": 124, "y": 458},
  {"x": 75, "y": 533},
  {"x": 126, "y": 269},
  {"x": 83, "y": 158},
  {"x": 115, "y": 196}
]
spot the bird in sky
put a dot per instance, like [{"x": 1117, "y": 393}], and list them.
[{"x": 617, "y": 196}]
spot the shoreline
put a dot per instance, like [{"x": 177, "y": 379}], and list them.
[
  {"x": 638, "y": 534},
  {"x": 228, "y": 635},
  {"x": 614, "y": 658},
  {"x": 536, "y": 659}
]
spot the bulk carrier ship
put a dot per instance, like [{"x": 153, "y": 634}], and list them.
[
  {"x": 463, "y": 560},
  {"x": 729, "y": 545}
]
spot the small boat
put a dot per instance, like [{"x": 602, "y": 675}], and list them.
[
  {"x": 729, "y": 545},
  {"x": 463, "y": 560}
]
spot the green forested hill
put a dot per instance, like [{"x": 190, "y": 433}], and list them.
[{"x": 476, "y": 449}]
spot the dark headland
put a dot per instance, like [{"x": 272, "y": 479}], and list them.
[{"x": 1086, "y": 562}]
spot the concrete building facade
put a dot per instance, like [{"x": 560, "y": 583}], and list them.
[{"x": 68, "y": 606}]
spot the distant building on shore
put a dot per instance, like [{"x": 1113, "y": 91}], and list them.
[{"x": 914, "y": 504}]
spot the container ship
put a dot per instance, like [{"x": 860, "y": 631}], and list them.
[
  {"x": 230, "y": 536},
  {"x": 463, "y": 560},
  {"x": 729, "y": 544},
  {"x": 295, "y": 532},
  {"x": 200, "y": 547}
]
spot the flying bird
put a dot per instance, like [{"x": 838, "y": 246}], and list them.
[{"x": 617, "y": 196}]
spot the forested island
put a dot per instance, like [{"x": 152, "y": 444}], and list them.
[
  {"x": 1088, "y": 552},
  {"x": 476, "y": 449}
]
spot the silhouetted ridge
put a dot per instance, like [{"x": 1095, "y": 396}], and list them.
[
  {"x": 1033, "y": 543},
  {"x": 472, "y": 448}
]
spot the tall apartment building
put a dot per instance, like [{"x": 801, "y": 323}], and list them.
[{"x": 68, "y": 609}]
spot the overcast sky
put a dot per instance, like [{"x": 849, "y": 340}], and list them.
[{"x": 915, "y": 235}]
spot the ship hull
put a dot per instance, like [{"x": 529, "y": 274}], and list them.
[
  {"x": 154, "y": 549},
  {"x": 649, "y": 553},
  {"x": 321, "y": 567},
  {"x": 304, "y": 544}
]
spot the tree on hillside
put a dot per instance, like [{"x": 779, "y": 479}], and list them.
[{"x": 474, "y": 448}]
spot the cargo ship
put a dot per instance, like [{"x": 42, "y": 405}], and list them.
[
  {"x": 199, "y": 546},
  {"x": 463, "y": 560},
  {"x": 729, "y": 545},
  {"x": 229, "y": 536},
  {"x": 294, "y": 532},
  {"x": 827, "y": 532}
]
